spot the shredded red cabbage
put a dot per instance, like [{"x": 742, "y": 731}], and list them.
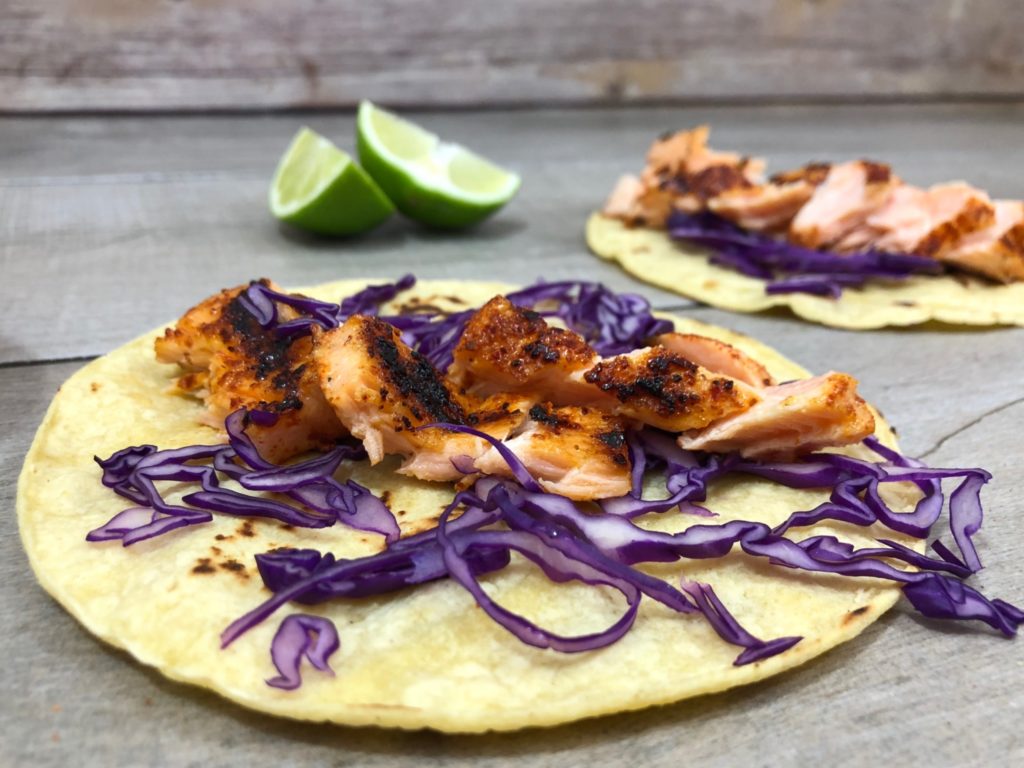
[
  {"x": 551, "y": 530},
  {"x": 789, "y": 268},
  {"x": 262, "y": 302},
  {"x": 133, "y": 473},
  {"x": 570, "y": 544},
  {"x": 300, "y": 635},
  {"x": 613, "y": 323}
]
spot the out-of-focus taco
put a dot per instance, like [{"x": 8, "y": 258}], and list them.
[{"x": 849, "y": 245}]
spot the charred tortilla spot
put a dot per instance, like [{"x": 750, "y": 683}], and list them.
[
  {"x": 203, "y": 565},
  {"x": 246, "y": 529},
  {"x": 851, "y": 615}
]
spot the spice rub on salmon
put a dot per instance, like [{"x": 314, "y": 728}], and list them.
[
  {"x": 383, "y": 391},
  {"x": 658, "y": 387},
  {"x": 996, "y": 251},
  {"x": 717, "y": 357},
  {"x": 231, "y": 361},
  {"x": 506, "y": 348}
]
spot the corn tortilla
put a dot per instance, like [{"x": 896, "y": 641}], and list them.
[
  {"x": 422, "y": 658},
  {"x": 652, "y": 256}
]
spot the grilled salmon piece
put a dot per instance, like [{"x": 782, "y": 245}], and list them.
[
  {"x": 682, "y": 173},
  {"x": 765, "y": 207},
  {"x": 688, "y": 152},
  {"x": 841, "y": 203},
  {"x": 625, "y": 193},
  {"x": 717, "y": 357},
  {"x": 510, "y": 349},
  {"x": 381, "y": 390},
  {"x": 576, "y": 452},
  {"x": 506, "y": 348},
  {"x": 231, "y": 362},
  {"x": 932, "y": 221},
  {"x": 791, "y": 419},
  {"x": 997, "y": 251},
  {"x": 770, "y": 206},
  {"x": 812, "y": 173},
  {"x": 684, "y": 165},
  {"x": 658, "y": 387}
]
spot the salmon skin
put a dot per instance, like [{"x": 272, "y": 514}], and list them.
[{"x": 844, "y": 208}]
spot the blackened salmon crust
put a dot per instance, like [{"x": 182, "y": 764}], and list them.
[{"x": 420, "y": 385}]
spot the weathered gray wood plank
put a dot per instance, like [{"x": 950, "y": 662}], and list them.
[
  {"x": 119, "y": 55},
  {"x": 115, "y": 225},
  {"x": 905, "y": 693}
]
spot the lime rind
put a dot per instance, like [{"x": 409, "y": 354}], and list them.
[
  {"x": 320, "y": 188},
  {"x": 438, "y": 183},
  {"x": 306, "y": 169}
]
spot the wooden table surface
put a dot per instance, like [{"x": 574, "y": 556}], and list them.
[{"x": 111, "y": 226}]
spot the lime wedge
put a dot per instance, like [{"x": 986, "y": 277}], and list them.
[
  {"x": 436, "y": 183},
  {"x": 319, "y": 188}
]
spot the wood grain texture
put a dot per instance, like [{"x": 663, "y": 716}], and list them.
[
  {"x": 229, "y": 54},
  {"x": 110, "y": 226},
  {"x": 119, "y": 224}
]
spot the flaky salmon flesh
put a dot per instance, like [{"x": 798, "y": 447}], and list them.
[
  {"x": 229, "y": 360},
  {"x": 844, "y": 207},
  {"x": 384, "y": 393},
  {"x": 791, "y": 418},
  {"x": 558, "y": 405}
]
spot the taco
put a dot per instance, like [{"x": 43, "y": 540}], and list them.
[
  {"x": 263, "y": 506},
  {"x": 849, "y": 245}
]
